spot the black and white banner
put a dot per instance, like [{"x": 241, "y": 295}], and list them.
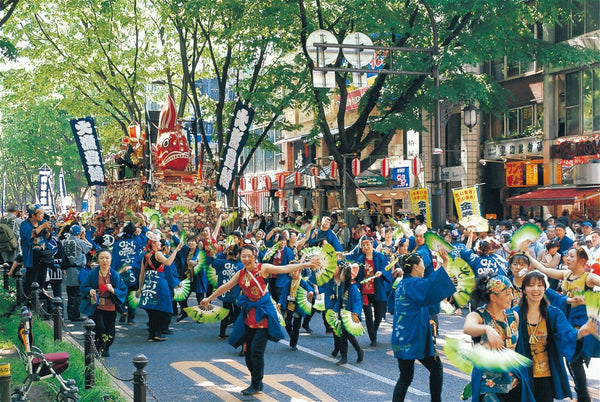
[
  {"x": 238, "y": 135},
  {"x": 86, "y": 138},
  {"x": 45, "y": 184}
]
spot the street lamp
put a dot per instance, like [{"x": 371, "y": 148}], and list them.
[
  {"x": 320, "y": 45},
  {"x": 470, "y": 116}
]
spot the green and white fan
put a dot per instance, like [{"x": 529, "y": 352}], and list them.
[
  {"x": 434, "y": 242},
  {"x": 352, "y": 323},
  {"x": 455, "y": 351},
  {"x": 328, "y": 262},
  {"x": 200, "y": 261},
  {"x": 212, "y": 276},
  {"x": 528, "y": 231},
  {"x": 498, "y": 361},
  {"x": 302, "y": 301},
  {"x": 177, "y": 210},
  {"x": 208, "y": 314},
  {"x": 464, "y": 280},
  {"x": 334, "y": 321},
  {"x": 183, "y": 291},
  {"x": 319, "y": 304},
  {"x": 133, "y": 299},
  {"x": 279, "y": 315},
  {"x": 271, "y": 252},
  {"x": 592, "y": 307}
]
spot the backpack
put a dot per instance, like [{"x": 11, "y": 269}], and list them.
[
  {"x": 8, "y": 240},
  {"x": 70, "y": 249}
]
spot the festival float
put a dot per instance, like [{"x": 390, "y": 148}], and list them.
[{"x": 173, "y": 190}]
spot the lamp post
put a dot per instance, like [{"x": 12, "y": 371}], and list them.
[
  {"x": 470, "y": 116},
  {"x": 322, "y": 54}
]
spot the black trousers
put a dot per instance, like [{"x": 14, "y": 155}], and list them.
[
  {"x": 407, "y": 372},
  {"x": 234, "y": 310},
  {"x": 577, "y": 371},
  {"x": 345, "y": 337},
  {"x": 104, "y": 329},
  {"x": 292, "y": 326},
  {"x": 73, "y": 302},
  {"x": 256, "y": 343},
  {"x": 157, "y": 321},
  {"x": 373, "y": 322}
]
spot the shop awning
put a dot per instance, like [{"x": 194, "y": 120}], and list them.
[{"x": 553, "y": 196}]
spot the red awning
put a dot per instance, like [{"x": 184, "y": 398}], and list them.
[{"x": 553, "y": 196}]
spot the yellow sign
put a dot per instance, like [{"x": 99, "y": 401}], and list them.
[
  {"x": 466, "y": 201},
  {"x": 521, "y": 174},
  {"x": 4, "y": 370},
  {"x": 419, "y": 200}
]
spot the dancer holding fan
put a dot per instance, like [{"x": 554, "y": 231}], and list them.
[
  {"x": 412, "y": 336},
  {"x": 545, "y": 336},
  {"x": 494, "y": 328},
  {"x": 258, "y": 321},
  {"x": 575, "y": 282}
]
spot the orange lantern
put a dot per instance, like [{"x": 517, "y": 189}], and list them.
[
  {"x": 281, "y": 181},
  {"x": 314, "y": 170},
  {"x": 242, "y": 184},
  {"x": 297, "y": 178},
  {"x": 254, "y": 183}
]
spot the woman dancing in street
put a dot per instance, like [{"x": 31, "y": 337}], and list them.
[{"x": 258, "y": 320}]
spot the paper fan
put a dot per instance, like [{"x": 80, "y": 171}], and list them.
[
  {"x": 447, "y": 308},
  {"x": 478, "y": 222},
  {"x": 177, "y": 210},
  {"x": 314, "y": 221},
  {"x": 302, "y": 301},
  {"x": 310, "y": 252},
  {"x": 352, "y": 323},
  {"x": 208, "y": 314},
  {"x": 153, "y": 216},
  {"x": 592, "y": 307},
  {"x": 528, "y": 231},
  {"x": 200, "y": 261},
  {"x": 279, "y": 315},
  {"x": 211, "y": 275},
  {"x": 183, "y": 291},
  {"x": 183, "y": 237},
  {"x": 498, "y": 361},
  {"x": 455, "y": 351},
  {"x": 84, "y": 217},
  {"x": 290, "y": 226},
  {"x": 231, "y": 217},
  {"x": 229, "y": 241},
  {"x": 334, "y": 321},
  {"x": 434, "y": 241},
  {"x": 270, "y": 252},
  {"x": 464, "y": 279},
  {"x": 133, "y": 299},
  {"x": 328, "y": 259},
  {"x": 319, "y": 304}
]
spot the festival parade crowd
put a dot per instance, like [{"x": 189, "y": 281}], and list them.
[{"x": 526, "y": 298}]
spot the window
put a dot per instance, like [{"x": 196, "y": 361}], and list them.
[
  {"x": 584, "y": 18},
  {"x": 262, "y": 161},
  {"x": 518, "y": 122},
  {"x": 579, "y": 102},
  {"x": 505, "y": 68}
]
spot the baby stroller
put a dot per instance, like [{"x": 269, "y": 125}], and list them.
[{"x": 40, "y": 366}]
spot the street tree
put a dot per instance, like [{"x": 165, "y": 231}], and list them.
[
  {"x": 32, "y": 135},
  {"x": 468, "y": 34}
]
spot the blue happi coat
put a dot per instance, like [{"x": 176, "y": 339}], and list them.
[{"x": 412, "y": 337}]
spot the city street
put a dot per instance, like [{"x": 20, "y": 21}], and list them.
[{"x": 194, "y": 365}]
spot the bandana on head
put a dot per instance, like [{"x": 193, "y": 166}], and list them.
[{"x": 497, "y": 284}]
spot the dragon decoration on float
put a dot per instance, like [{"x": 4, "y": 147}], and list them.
[{"x": 172, "y": 148}]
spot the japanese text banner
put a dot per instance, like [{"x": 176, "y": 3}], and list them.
[
  {"x": 419, "y": 200},
  {"x": 86, "y": 138},
  {"x": 467, "y": 202},
  {"x": 238, "y": 135}
]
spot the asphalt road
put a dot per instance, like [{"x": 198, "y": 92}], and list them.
[{"x": 194, "y": 365}]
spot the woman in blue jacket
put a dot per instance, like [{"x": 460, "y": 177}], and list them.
[
  {"x": 545, "y": 336},
  {"x": 349, "y": 298},
  {"x": 412, "y": 336}
]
